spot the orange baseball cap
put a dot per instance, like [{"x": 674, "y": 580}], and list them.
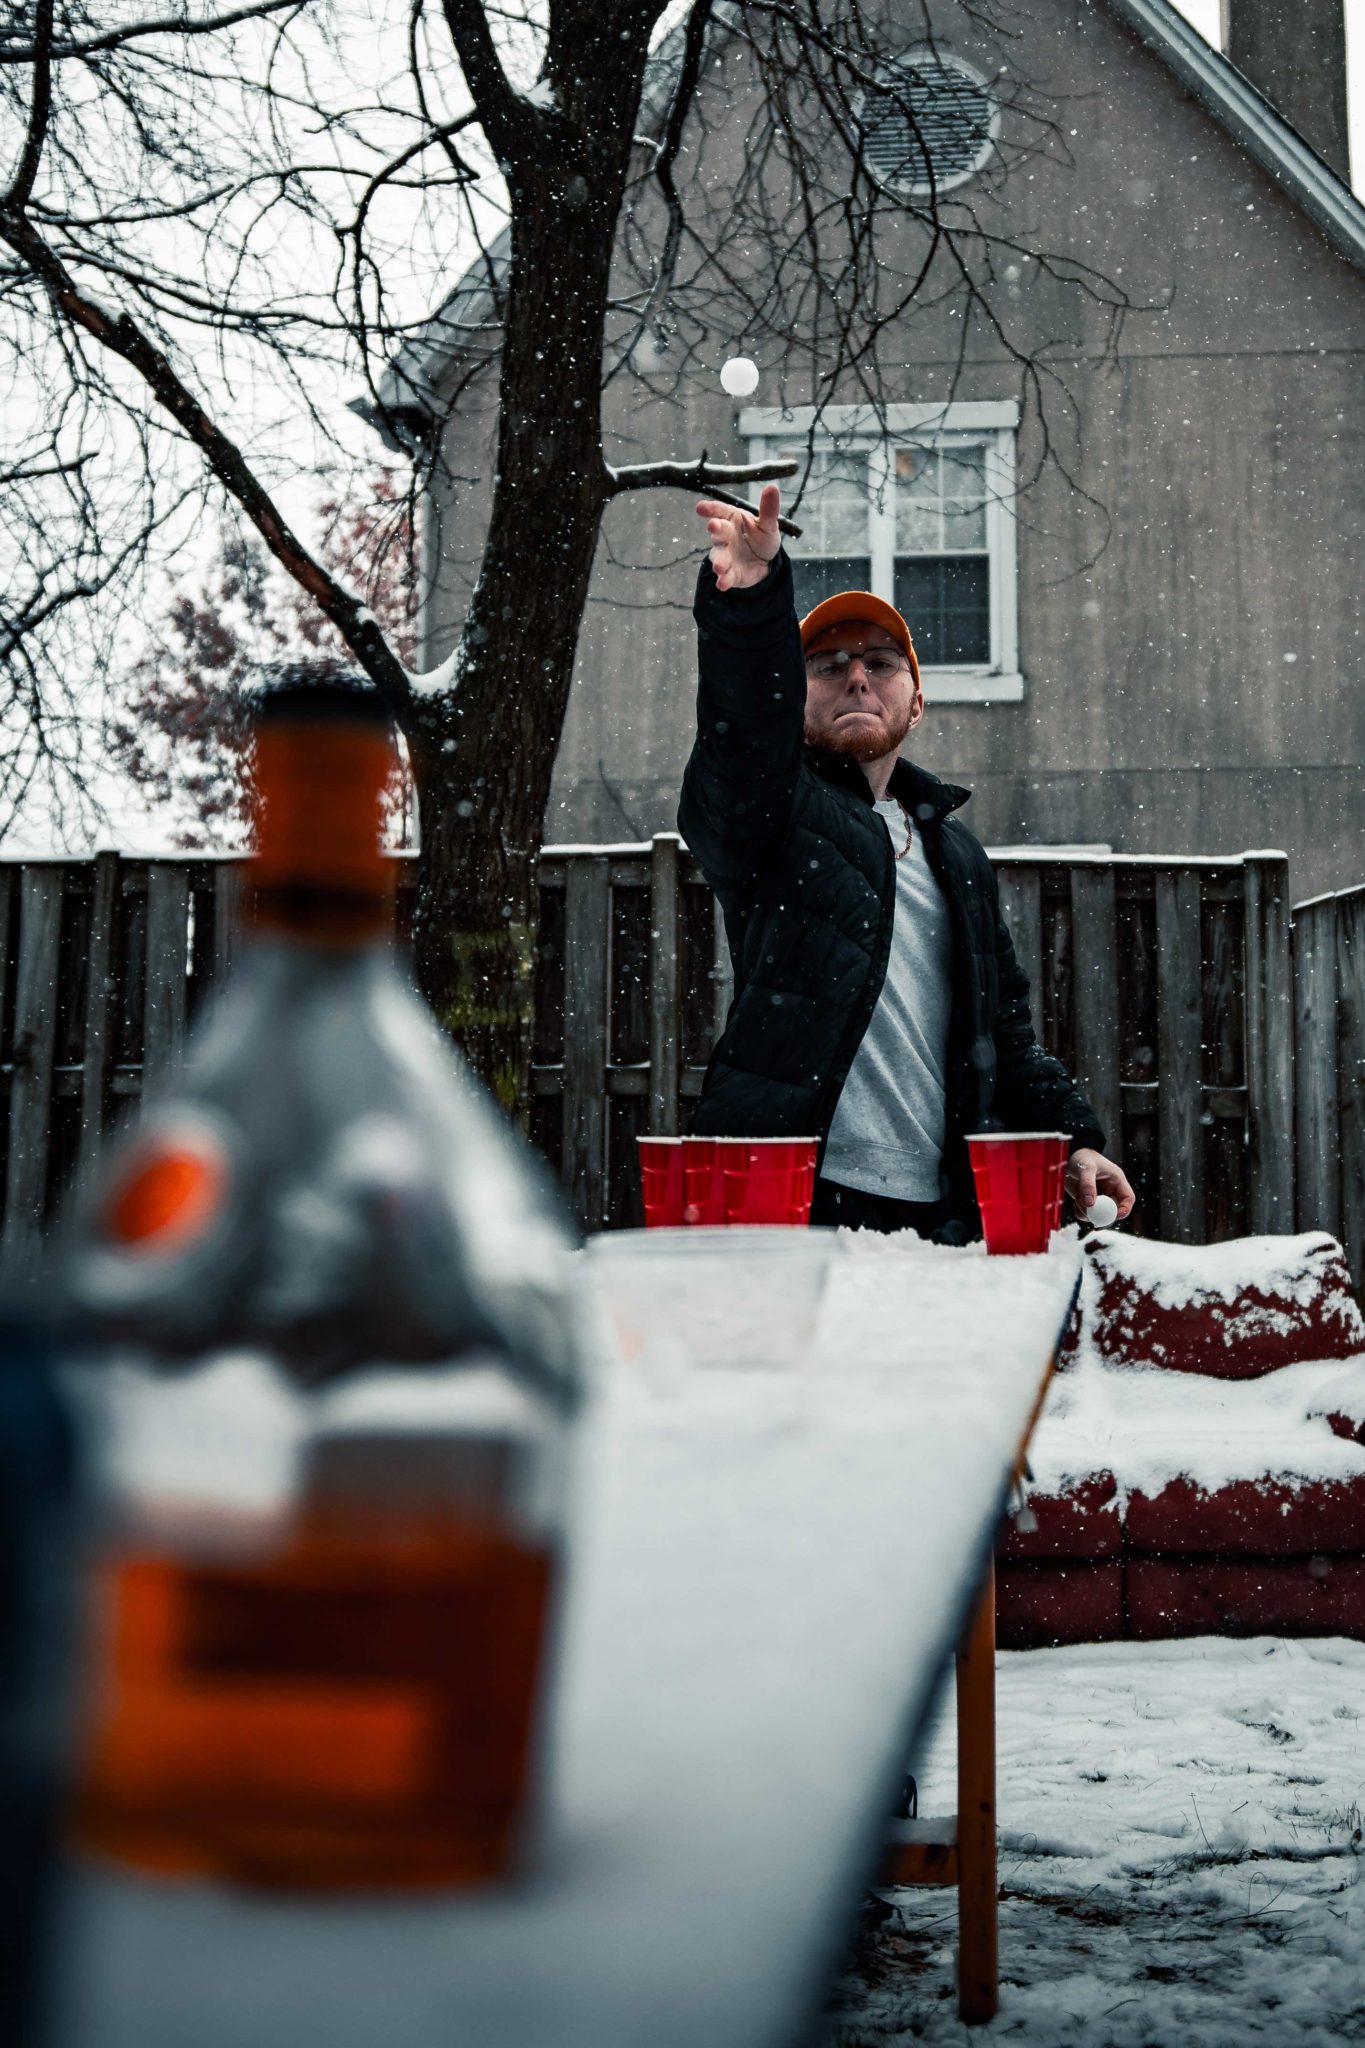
[{"x": 846, "y": 606}]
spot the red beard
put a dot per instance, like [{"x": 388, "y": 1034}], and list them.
[{"x": 861, "y": 743}]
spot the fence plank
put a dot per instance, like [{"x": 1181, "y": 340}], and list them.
[
  {"x": 1269, "y": 1044},
  {"x": 587, "y": 913},
  {"x": 99, "y": 990},
  {"x": 1317, "y": 1152},
  {"x": 1179, "y": 1011},
  {"x": 227, "y": 905},
  {"x": 168, "y": 911},
  {"x": 1021, "y": 900},
  {"x": 35, "y": 1018},
  {"x": 9, "y": 889},
  {"x": 10, "y": 881},
  {"x": 1094, "y": 951},
  {"x": 665, "y": 1018},
  {"x": 1350, "y": 955}
]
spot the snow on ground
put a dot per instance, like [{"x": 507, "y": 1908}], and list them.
[{"x": 1180, "y": 1856}]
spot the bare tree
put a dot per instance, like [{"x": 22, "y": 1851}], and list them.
[
  {"x": 285, "y": 187},
  {"x": 178, "y": 726}
]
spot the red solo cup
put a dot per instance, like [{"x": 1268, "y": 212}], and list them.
[
  {"x": 661, "y": 1181},
  {"x": 1020, "y": 1180},
  {"x": 770, "y": 1180}
]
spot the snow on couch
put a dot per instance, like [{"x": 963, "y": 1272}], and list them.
[{"x": 1200, "y": 1465}]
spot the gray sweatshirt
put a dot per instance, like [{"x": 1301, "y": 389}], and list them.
[{"x": 887, "y": 1133}]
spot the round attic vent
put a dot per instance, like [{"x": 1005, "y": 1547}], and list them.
[{"x": 935, "y": 114}]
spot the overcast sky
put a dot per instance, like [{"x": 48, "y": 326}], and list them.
[{"x": 1205, "y": 16}]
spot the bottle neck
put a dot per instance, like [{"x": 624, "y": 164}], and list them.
[
  {"x": 320, "y": 874},
  {"x": 347, "y": 920},
  {"x": 297, "y": 959}
]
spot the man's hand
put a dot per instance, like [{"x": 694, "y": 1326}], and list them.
[
  {"x": 1089, "y": 1173},
  {"x": 742, "y": 543}
]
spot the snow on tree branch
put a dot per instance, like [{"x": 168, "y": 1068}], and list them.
[{"x": 715, "y": 478}]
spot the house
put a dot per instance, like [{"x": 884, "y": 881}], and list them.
[{"x": 1153, "y": 641}]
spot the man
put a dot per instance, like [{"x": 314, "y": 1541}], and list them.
[{"x": 878, "y": 1002}]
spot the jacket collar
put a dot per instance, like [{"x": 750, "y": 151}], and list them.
[{"x": 913, "y": 786}]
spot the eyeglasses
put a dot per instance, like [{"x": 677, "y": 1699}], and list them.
[{"x": 832, "y": 664}]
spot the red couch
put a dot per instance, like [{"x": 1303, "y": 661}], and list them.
[{"x": 1201, "y": 1461}]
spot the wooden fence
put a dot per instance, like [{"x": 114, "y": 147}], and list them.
[{"x": 1164, "y": 984}]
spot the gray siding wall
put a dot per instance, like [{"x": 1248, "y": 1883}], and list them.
[{"x": 1190, "y": 607}]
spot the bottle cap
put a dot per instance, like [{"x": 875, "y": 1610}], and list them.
[{"x": 324, "y": 756}]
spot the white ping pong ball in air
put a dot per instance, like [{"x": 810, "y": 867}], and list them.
[
  {"x": 739, "y": 376},
  {"x": 1103, "y": 1211}
]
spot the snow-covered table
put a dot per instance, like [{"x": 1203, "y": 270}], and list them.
[{"x": 772, "y": 1574}]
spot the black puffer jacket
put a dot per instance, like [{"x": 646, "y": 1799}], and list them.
[{"x": 804, "y": 873}]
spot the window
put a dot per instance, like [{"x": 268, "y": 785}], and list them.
[
  {"x": 917, "y": 507},
  {"x": 832, "y": 553},
  {"x": 943, "y": 566},
  {"x": 931, "y": 129}
]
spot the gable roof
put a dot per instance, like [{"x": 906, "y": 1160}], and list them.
[
  {"x": 472, "y": 310},
  {"x": 1250, "y": 120}
]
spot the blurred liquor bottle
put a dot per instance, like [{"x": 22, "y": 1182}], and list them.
[{"x": 335, "y": 1528}]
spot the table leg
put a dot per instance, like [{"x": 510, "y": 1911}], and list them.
[{"x": 978, "y": 1948}]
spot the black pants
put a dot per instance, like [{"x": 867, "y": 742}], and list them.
[{"x": 859, "y": 1211}]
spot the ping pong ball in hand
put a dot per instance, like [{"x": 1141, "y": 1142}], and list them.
[
  {"x": 1103, "y": 1211},
  {"x": 739, "y": 376}
]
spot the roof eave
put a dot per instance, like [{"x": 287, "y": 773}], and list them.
[{"x": 1251, "y": 120}]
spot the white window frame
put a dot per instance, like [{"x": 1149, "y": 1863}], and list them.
[{"x": 770, "y": 430}]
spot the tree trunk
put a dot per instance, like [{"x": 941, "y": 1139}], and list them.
[{"x": 484, "y": 751}]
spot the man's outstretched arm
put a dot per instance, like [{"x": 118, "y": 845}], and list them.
[{"x": 751, "y": 695}]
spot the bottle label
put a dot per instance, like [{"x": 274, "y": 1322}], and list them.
[{"x": 173, "y": 1186}]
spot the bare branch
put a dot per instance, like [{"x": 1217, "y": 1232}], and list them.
[
  {"x": 503, "y": 113},
  {"x": 715, "y": 478},
  {"x": 40, "y": 109},
  {"x": 665, "y": 163},
  {"x": 121, "y": 335},
  {"x": 171, "y": 25}
]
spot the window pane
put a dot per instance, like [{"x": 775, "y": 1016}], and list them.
[
  {"x": 824, "y": 576},
  {"x": 964, "y": 473},
  {"x": 917, "y": 472},
  {"x": 946, "y": 600},
  {"x": 940, "y": 499},
  {"x": 832, "y": 514},
  {"x": 917, "y": 526},
  {"x": 964, "y": 526}
]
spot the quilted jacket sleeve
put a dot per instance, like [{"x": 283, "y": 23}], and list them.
[
  {"x": 741, "y": 777},
  {"x": 1033, "y": 1091}
]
